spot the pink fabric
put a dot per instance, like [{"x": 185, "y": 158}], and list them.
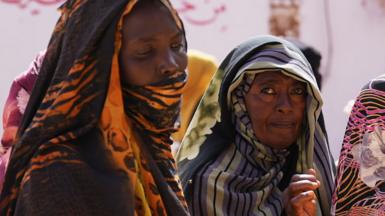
[{"x": 14, "y": 108}]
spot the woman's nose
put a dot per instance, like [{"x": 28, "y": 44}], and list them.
[
  {"x": 168, "y": 64},
  {"x": 284, "y": 103}
]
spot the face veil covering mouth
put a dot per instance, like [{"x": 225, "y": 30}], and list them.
[
  {"x": 155, "y": 107},
  {"x": 137, "y": 122}
]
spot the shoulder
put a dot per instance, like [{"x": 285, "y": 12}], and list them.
[{"x": 27, "y": 79}]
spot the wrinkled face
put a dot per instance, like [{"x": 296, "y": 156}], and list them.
[
  {"x": 276, "y": 106},
  {"x": 153, "y": 47}
]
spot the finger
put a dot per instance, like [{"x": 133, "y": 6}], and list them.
[
  {"x": 314, "y": 173},
  {"x": 303, "y": 199},
  {"x": 300, "y": 177},
  {"x": 311, "y": 172},
  {"x": 295, "y": 188}
]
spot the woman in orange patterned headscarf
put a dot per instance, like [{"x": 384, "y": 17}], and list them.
[{"x": 95, "y": 136}]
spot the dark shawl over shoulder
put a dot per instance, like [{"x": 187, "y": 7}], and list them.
[{"x": 77, "y": 152}]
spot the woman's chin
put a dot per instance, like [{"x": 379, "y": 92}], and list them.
[{"x": 280, "y": 142}]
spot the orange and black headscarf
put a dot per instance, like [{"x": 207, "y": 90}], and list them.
[{"x": 88, "y": 145}]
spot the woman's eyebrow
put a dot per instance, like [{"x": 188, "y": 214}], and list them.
[
  {"x": 299, "y": 83},
  {"x": 177, "y": 35},
  {"x": 153, "y": 38},
  {"x": 269, "y": 80},
  {"x": 142, "y": 40}
]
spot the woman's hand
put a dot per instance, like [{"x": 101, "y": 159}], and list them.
[{"x": 299, "y": 197}]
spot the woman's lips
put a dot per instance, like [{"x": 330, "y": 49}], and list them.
[{"x": 283, "y": 124}]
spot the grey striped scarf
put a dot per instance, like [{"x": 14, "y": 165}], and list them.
[{"x": 244, "y": 178}]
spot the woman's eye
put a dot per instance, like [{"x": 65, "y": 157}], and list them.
[
  {"x": 299, "y": 91},
  {"x": 143, "y": 52},
  {"x": 177, "y": 46},
  {"x": 269, "y": 91}
]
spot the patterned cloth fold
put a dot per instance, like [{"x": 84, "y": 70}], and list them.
[{"x": 360, "y": 180}]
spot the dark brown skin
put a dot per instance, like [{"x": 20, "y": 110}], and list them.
[
  {"x": 151, "y": 51},
  {"x": 276, "y": 106},
  {"x": 299, "y": 197}
]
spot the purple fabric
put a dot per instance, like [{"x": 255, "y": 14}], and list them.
[{"x": 14, "y": 108}]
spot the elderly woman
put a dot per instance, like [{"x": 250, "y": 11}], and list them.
[
  {"x": 360, "y": 180},
  {"x": 256, "y": 145},
  {"x": 95, "y": 135}
]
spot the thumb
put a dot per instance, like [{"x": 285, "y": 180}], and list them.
[{"x": 311, "y": 171}]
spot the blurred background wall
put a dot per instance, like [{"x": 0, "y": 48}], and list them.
[{"x": 350, "y": 35}]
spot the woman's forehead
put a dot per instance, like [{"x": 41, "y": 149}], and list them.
[
  {"x": 274, "y": 76},
  {"x": 139, "y": 24},
  {"x": 149, "y": 9},
  {"x": 153, "y": 9}
]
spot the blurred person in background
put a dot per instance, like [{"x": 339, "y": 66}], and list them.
[
  {"x": 14, "y": 108},
  {"x": 312, "y": 55},
  {"x": 200, "y": 68}
]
